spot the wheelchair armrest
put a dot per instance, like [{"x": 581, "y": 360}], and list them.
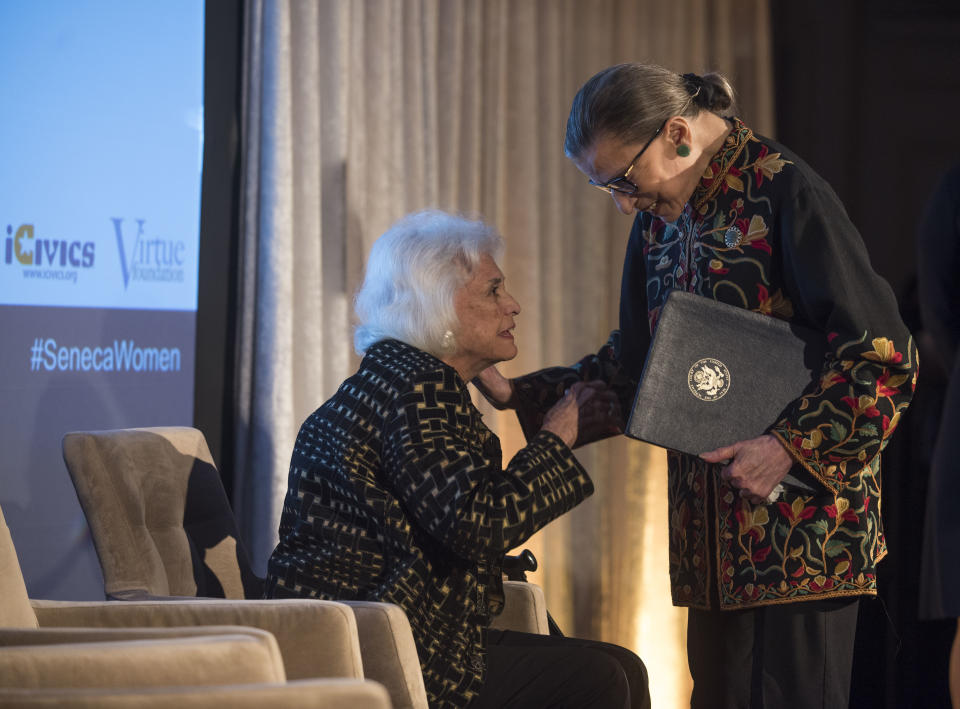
[{"x": 516, "y": 567}]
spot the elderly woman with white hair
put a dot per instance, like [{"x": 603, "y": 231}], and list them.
[{"x": 398, "y": 493}]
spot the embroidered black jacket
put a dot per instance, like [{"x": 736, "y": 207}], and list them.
[
  {"x": 397, "y": 493},
  {"x": 763, "y": 231}
]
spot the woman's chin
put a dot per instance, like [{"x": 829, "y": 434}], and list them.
[{"x": 508, "y": 351}]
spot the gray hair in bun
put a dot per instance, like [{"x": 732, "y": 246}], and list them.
[{"x": 630, "y": 101}]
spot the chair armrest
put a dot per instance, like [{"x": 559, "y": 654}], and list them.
[
  {"x": 55, "y": 636},
  {"x": 221, "y": 659},
  {"x": 316, "y": 638},
  {"x": 317, "y": 694},
  {"x": 390, "y": 653},
  {"x": 524, "y": 609}
]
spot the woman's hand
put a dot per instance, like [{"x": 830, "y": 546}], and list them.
[
  {"x": 564, "y": 418},
  {"x": 601, "y": 416},
  {"x": 755, "y": 466},
  {"x": 496, "y": 388}
]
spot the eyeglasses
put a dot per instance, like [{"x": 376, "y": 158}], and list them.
[{"x": 622, "y": 185}]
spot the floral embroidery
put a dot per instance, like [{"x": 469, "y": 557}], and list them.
[
  {"x": 767, "y": 165},
  {"x": 775, "y": 304},
  {"x": 823, "y": 543},
  {"x": 883, "y": 351},
  {"x": 755, "y": 233},
  {"x": 820, "y": 543}
]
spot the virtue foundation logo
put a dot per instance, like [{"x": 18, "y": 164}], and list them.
[
  {"x": 46, "y": 257},
  {"x": 148, "y": 259}
]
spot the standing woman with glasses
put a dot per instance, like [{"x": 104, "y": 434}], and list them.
[{"x": 772, "y": 587}]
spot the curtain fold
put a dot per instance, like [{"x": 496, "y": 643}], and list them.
[{"x": 356, "y": 113}]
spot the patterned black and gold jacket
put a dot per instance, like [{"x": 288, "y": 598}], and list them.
[
  {"x": 762, "y": 231},
  {"x": 397, "y": 493}
]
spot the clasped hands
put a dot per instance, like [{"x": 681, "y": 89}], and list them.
[
  {"x": 590, "y": 410},
  {"x": 586, "y": 412}
]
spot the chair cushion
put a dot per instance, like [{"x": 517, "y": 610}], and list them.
[
  {"x": 389, "y": 652},
  {"x": 209, "y": 660},
  {"x": 109, "y": 480},
  {"x": 158, "y": 513},
  {"x": 524, "y": 609},
  {"x": 316, "y": 638}
]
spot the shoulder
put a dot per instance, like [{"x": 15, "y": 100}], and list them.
[
  {"x": 783, "y": 167},
  {"x": 397, "y": 362},
  {"x": 404, "y": 369},
  {"x": 427, "y": 397},
  {"x": 389, "y": 370}
]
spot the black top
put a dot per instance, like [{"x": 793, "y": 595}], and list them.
[
  {"x": 762, "y": 231},
  {"x": 397, "y": 493}
]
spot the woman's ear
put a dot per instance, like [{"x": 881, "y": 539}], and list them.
[{"x": 678, "y": 131}]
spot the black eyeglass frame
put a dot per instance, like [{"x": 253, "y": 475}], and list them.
[{"x": 616, "y": 184}]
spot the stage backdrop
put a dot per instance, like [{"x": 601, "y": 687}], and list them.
[{"x": 100, "y": 148}]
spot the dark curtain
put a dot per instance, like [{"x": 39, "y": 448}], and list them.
[
  {"x": 219, "y": 220},
  {"x": 855, "y": 82}
]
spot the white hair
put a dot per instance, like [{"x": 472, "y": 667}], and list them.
[{"x": 412, "y": 274}]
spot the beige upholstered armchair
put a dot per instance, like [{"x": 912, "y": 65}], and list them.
[
  {"x": 162, "y": 526},
  {"x": 56, "y": 653},
  {"x": 222, "y": 667},
  {"x": 163, "y": 530}
]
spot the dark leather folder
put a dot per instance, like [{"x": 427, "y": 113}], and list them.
[{"x": 716, "y": 374}]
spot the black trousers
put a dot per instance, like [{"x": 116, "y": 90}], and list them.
[
  {"x": 527, "y": 671},
  {"x": 789, "y": 656}
]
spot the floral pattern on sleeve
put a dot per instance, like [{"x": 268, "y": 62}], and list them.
[
  {"x": 767, "y": 234},
  {"x": 764, "y": 232},
  {"x": 873, "y": 387}
]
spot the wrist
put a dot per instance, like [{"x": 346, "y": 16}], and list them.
[{"x": 563, "y": 433}]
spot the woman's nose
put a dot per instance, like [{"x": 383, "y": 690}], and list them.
[
  {"x": 512, "y": 306},
  {"x": 625, "y": 204}
]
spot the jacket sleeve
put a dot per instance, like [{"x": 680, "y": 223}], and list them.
[
  {"x": 619, "y": 362},
  {"x": 869, "y": 374},
  {"x": 445, "y": 467}
]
